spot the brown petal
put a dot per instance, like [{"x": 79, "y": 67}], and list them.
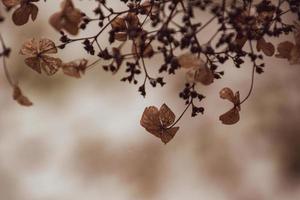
[
  {"x": 20, "y": 98},
  {"x": 119, "y": 24},
  {"x": 166, "y": 116},
  {"x": 121, "y": 36},
  {"x": 230, "y": 117},
  {"x": 11, "y": 3},
  {"x": 150, "y": 121},
  {"x": 70, "y": 27},
  {"x": 34, "y": 11},
  {"x": 50, "y": 65},
  {"x": 189, "y": 60},
  {"x": 34, "y": 63},
  {"x": 47, "y": 46},
  {"x": 267, "y": 47},
  {"x": 284, "y": 49},
  {"x": 21, "y": 14},
  {"x": 75, "y": 68},
  {"x": 204, "y": 75},
  {"x": 168, "y": 134},
  {"x": 227, "y": 93},
  {"x": 29, "y": 48},
  {"x": 55, "y": 21},
  {"x": 74, "y": 16}
]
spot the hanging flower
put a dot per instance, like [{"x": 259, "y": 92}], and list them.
[
  {"x": 38, "y": 60},
  {"x": 75, "y": 68},
  {"x": 232, "y": 116},
  {"x": 159, "y": 122},
  {"x": 23, "y": 12},
  {"x": 199, "y": 71},
  {"x": 67, "y": 19}
]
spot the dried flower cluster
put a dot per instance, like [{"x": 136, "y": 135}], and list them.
[{"x": 167, "y": 28}]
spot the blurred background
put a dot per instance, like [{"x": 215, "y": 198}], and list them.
[{"x": 82, "y": 138}]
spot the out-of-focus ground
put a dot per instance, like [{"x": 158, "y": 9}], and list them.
[{"x": 82, "y": 139}]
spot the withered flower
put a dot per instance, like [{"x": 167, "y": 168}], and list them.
[
  {"x": 289, "y": 50},
  {"x": 232, "y": 116},
  {"x": 24, "y": 11},
  {"x": 159, "y": 122},
  {"x": 199, "y": 71},
  {"x": 38, "y": 60},
  {"x": 67, "y": 19},
  {"x": 20, "y": 98},
  {"x": 75, "y": 68}
]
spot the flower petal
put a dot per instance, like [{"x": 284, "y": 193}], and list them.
[
  {"x": 284, "y": 50},
  {"x": 21, "y": 15},
  {"x": 230, "y": 117},
  {"x": 168, "y": 134},
  {"x": 227, "y": 93},
  {"x": 150, "y": 121},
  {"x": 166, "y": 116},
  {"x": 50, "y": 65},
  {"x": 47, "y": 46},
  {"x": 29, "y": 48},
  {"x": 75, "y": 68},
  {"x": 34, "y": 63},
  {"x": 20, "y": 98},
  {"x": 189, "y": 60}
]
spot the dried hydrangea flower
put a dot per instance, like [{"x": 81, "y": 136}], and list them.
[
  {"x": 24, "y": 11},
  {"x": 20, "y": 98},
  {"x": 67, "y": 19},
  {"x": 159, "y": 122},
  {"x": 289, "y": 50},
  {"x": 38, "y": 60},
  {"x": 199, "y": 72},
  {"x": 232, "y": 116},
  {"x": 75, "y": 68}
]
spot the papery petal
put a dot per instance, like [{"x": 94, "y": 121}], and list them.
[
  {"x": 284, "y": 50},
  {"x": 29, "y": 47},
  {"x": 230, "y": 117},
  {"x": 227, "y": 93},
  {"x": 47, "y": 46},
  {"x": 166, "y": 116},
  {"x": 75, "y": 68},
  {"x": 168, "y": 134},
  {"x": 20, "y": 98},
  {"x": 189, "y": 60},
  {"x": 21, "y": 15},
  {"x": 50, "y": 65},
  {"x": 34, "y": 63},
  {"x": 150, "y": 121},
  {"x": 267, "y": 47},
  {"x": 204, "y": 75},
  {"x": 55, "y": 21},
  {"x": 34, "y": 11}
]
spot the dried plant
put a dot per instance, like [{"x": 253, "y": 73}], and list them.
[{"x": 170, "y": 29}]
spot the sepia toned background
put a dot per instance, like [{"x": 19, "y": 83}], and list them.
[{"x": 82, "y": 139}]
